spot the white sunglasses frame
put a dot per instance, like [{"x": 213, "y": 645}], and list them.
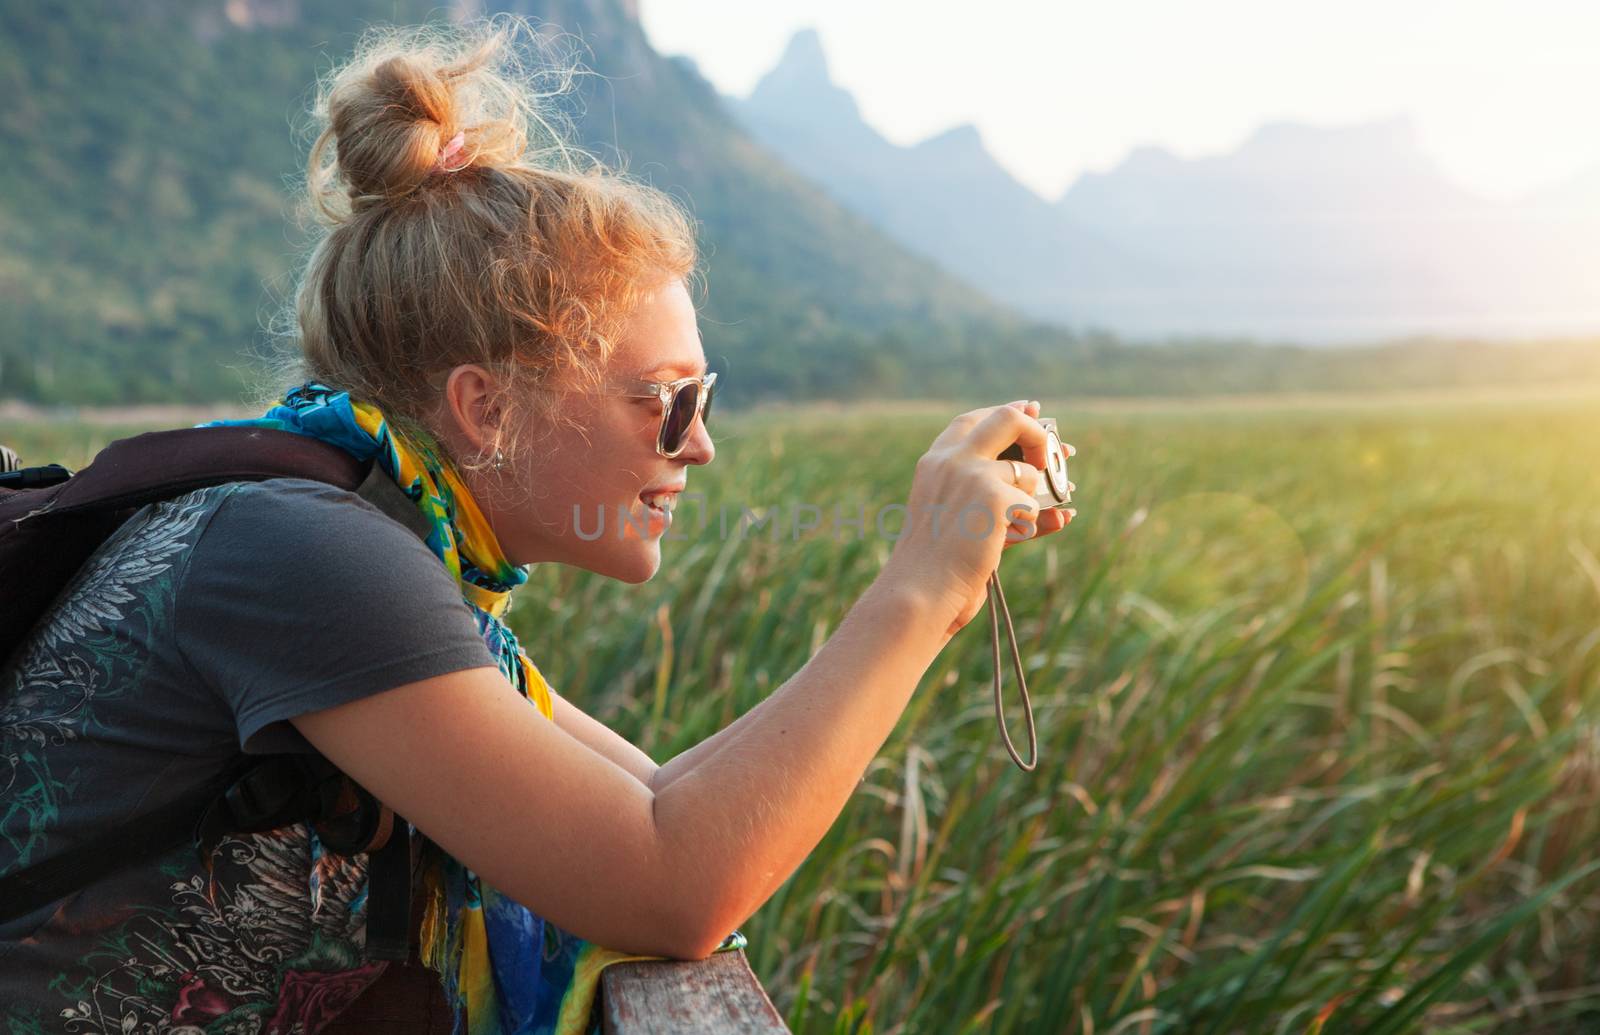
[{"x": 666, "y": 392}]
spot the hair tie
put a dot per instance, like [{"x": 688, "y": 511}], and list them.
[{"x": 448, "y": 152}]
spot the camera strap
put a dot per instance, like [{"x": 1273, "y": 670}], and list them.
[{"x": 997, "y": 608}]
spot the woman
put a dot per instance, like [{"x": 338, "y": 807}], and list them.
[{"x": 511, "y": 337}]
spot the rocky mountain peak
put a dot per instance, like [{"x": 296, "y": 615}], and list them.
[{"x": 801, "y": 88}]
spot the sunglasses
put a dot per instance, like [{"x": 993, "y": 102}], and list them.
[{"x": 682, "y": 402}]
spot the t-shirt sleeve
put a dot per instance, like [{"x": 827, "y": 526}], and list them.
[{"x": 300, "y": 596}]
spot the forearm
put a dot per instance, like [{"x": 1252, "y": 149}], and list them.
[
  {"x": 690, "y": 758},
  {"x": 686, "y": 760},
  {"x": 737, "y": 820}
]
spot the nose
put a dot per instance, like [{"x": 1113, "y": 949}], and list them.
[{"x": 699, "y": 450}]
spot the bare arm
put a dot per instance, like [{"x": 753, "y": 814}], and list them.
[
  {"x": 603, "y": 740},
  {"x": 775, "y": 784},
  {"x": 582, "y": 841},
  {"x": 1047, "y": 522},
  {"x": 723, "y": 740},
  {"x": 585, "y": 842}
]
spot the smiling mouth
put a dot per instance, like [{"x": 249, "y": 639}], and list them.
[{"x": 660, "y": 503}]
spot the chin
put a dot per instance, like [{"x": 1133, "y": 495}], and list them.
[{"x": 635, "y": 565}]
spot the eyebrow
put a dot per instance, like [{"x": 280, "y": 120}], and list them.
[{"x": 679, "y": 369}]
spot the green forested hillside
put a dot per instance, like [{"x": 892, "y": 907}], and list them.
[
  {"x": 146, "y": 235},
  {"x": 143, "y": 196}
]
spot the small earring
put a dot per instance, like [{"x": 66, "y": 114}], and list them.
[{"x": 499, "y": 461}]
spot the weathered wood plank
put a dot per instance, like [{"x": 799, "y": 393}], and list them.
[{"x": 661, "y": 997}]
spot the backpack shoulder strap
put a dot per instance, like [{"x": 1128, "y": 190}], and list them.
[
  {"x": 46, "y": 534},
  {"x": 22, "y": 891},
  {"x": 161, "y": 465}
]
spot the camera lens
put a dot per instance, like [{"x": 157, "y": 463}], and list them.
[{"x": 1055, "y": 466}]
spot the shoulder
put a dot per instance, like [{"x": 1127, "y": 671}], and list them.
[
  {"x": 306, "y": 520},
  {"x": 289, "y": 539},
  {"x": 286, "y": 499},
  {"x": 300, "y": 596}
]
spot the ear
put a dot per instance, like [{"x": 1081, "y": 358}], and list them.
[{"x": 469, "y": 394}]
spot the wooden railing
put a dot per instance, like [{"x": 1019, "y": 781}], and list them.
[{"x": 715, "y": 996}]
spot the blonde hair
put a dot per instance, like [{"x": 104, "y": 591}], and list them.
[{"x": 521, "y": 254}]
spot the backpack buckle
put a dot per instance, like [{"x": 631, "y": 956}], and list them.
[
  {"x": 267, "y": 797},
  {"x": 34, "y": 477}
]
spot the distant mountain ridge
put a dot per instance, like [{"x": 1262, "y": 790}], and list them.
[
  {"x": 945, "y": 198},
  {"x": 1302, "y": 233}
]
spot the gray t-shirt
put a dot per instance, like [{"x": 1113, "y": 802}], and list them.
[{"x": 198, "y": 629}]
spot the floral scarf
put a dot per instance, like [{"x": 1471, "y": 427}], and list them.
[{"x": 505, "y": 970}]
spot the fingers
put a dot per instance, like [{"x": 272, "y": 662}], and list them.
[
  {"x": 1055, "y": 519},
  {"x": 1023, "y": 475},
  {"x": 1026, "y": 476},
  {"x": 990, "y": 431},
  {"x": 1022, "y": 523},
  {"x": 964, "y": 423},
  {"x": 1047, "y": 522},
  {"x": 1004, "y": 425}
]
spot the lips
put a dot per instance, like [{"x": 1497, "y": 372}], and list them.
[
  {"x": 662, "y": 497},
  {"x": 660, "y": 500}
]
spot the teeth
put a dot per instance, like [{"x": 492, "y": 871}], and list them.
[{"x": 663, "y": 502}]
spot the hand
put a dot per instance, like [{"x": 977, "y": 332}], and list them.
[{"x": 965, "y": 508}]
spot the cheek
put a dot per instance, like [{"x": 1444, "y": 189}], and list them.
[
  {"x": 606, "y": 478},
  {"x": 642, "y": 426},
  {"x": 609, "y": 463}
]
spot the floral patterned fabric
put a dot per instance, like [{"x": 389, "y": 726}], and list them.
[{"x": 107, "y": 710}]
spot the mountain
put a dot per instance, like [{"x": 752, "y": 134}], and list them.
[
  {"x": 146, "y": 201},
  {"x": 1309, "y": 234},
  {"x": 945, "y": 198},
  {"x": 1324, "y": 234}
]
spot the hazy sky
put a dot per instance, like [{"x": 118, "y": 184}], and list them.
[{"x": 1503, "y": 94}]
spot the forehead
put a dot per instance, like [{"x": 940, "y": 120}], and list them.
[{"x": 662, "y": 341}]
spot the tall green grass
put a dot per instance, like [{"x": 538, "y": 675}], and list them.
[
  {"x": 1315, "y": 692},
  {"x": 1316, "y": 697}
]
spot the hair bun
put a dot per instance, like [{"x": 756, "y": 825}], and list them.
[
  {"x": 529, "y": 261},
  {"x": 389, "y": 116}
]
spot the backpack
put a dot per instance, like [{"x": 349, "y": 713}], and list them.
[{"x": 51, "y": 521}]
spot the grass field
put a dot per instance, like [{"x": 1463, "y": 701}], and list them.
[{"x": 1315, "y": 684}]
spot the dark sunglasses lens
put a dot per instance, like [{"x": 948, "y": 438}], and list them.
[{"x": 680, "y": 415}]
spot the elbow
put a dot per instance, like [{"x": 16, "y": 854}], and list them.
[
  {"x": 681, "y": 939},
  {"x": 699, "y": 945},
  {"x": 715, "y": 917},
  {"x": 708, "y": 902},
  {"x": 667, "y": 934},
  {"x": 702, "y": 922},
  {"x": 708, "y": 939},
  {"x": 701, "y": 952}
]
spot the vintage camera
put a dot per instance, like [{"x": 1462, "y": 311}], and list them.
[{"x": 1052, "y": 488}]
